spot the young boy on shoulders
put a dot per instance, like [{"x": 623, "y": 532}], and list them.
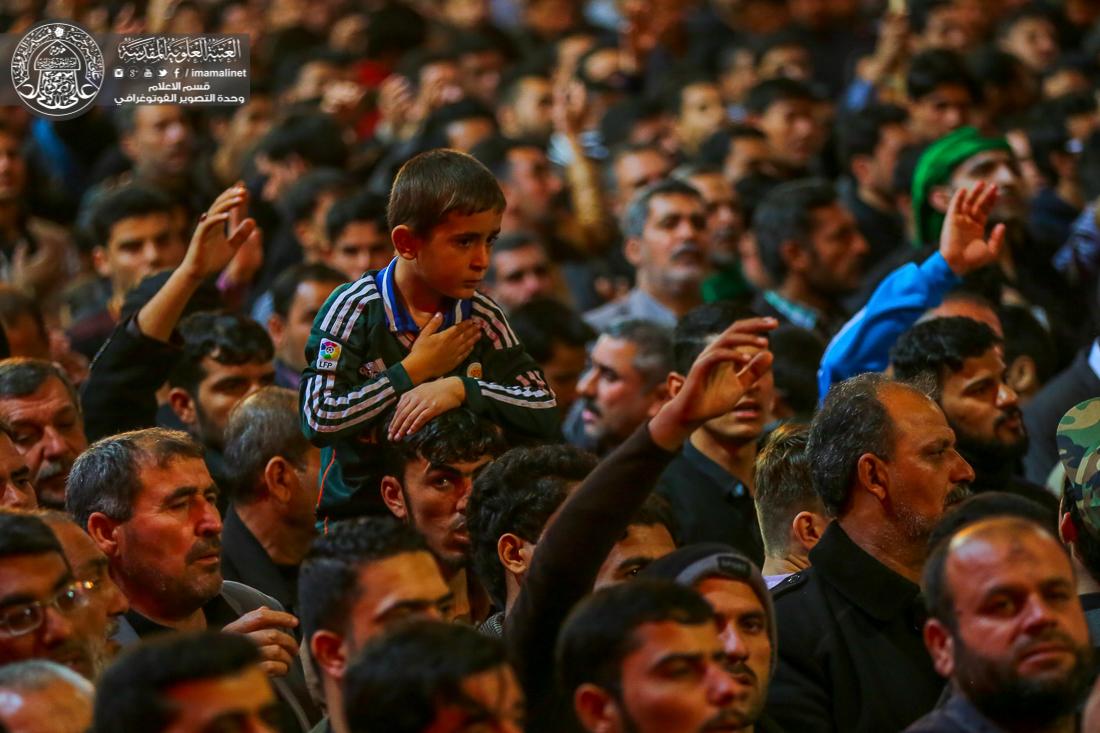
[{"x": 417, "y": 332}]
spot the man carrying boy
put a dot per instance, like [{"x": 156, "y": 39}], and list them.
[{"x": 418, "y": 333}]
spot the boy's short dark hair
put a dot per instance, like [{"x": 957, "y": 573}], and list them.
[
  {"x": 126, "y": 202},
  {"x": 781, "y": 89},
  {"x": 438, "y": 182}
]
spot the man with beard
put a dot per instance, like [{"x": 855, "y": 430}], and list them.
[
  {"x": 665, "y": 239},
  {"x": 710, "y": 483},
  {"x": 39, "y": 404},
  {"x": 885, "y": 466},
  {"x": 1006, "y": 629},
  {"x": 40, "y": 600},
  {"x": 646, "y": 657},
  {"x": 426, "y": 482},
  {"x": 624, "y": 385},
  {"x": 964, "y": 359},
  {"x": 147, "y": 500},
  {"x": 105, "y": 604},
  {"x": 813, "y": 250}
]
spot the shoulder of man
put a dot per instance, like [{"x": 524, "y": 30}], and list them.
[{"x": 244, "y": 598}]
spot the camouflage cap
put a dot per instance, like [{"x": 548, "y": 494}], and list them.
[{"x": 1078, "y": 441}]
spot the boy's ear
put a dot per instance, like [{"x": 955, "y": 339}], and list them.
[{"x": 405, "y": 242}]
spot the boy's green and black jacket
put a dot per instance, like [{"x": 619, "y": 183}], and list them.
[{"x": 353, "y": 375}]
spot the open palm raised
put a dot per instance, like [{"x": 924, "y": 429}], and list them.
[
  {"x": 962, "y": 239},
  {"x": 221, "y": 232}
]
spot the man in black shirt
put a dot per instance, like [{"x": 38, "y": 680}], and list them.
[
  {"x": 273, "y": 476},
  {"x": 710, "y": 484},
  {"x": 147, "y": 500},
  {"x": 851, "y": 657}
]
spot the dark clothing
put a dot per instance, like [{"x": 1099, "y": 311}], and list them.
[
  {"x": 710, "y": 505},
  {"x": 1021, "y": 487},
  {"x": 297, "y": 711},
  {"x": 89, "y": 333},
  {"x": 1041, "y": 416},
  {"x": 957, "y": 716},
  {"x": 323, "y": 727},
  {"x": 565, "y": 564},
  {"x": 770, "y": 303},
  {"x": 245, "y": 561},
  {"x": 287, "y": 376},
  {"x": 884, "y": 231},
  {"x": 1090, "y": 602},
  {"x": 1051, "y": 219},
  {"x": 851, "y": 656}
]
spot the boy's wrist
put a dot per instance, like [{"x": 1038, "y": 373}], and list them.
[{"x": 413, "y": 369}]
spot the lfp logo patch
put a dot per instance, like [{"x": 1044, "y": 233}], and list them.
[{"x": 328, "y": 356}]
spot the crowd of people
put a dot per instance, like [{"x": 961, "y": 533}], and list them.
[{"x": 608, "y": 366}]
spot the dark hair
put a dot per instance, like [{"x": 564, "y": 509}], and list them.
[
  {"x": 14, "y": 303},
  {"x": 785, "y": 38},
  {"x": 920, "y": 10},
  {"x": 361, "y": 206},
  {"x": 637, "y": 211},
  {"x": 621, "y": 118},
  {"x": 785, "y": 215},
  {"x": 656, "y": 511},
  {"x": 937, "y": 67},
  {"x": 1029, "y": 11},
  {"x": 227, "y": 338},
  {"x": 262, "y": 426},
  {"x": 315, "y": 138},
  {"x": 676, "y": 86},
  {"x": 20, "y": 376},
  {"x": 698, "y": 326},
  {"x": 401, "y": 678},
  {"x": 1088, "y": 164},
  {"x": 933, "y": 347},
  {"x": 435, "y": 126},
  {"x": 126, "y": 202},
  {"x": 517, "y": 493},
  {"x": 1046, "y": 138},
  {"x": 653, "y": 358},
  {"x": 601, "y": 630},
  {"x": 542, "y": 322},
  {"x": 860, "y": 132},
  {"x": 991, "y": 504},
  {"x": 716, "y": 148},
  {"x": 286, "y": 285},
  {"x": 906, "y": 165},
  {"x": 781, "y": 89},
  {"x": 1025, "y": 336},
  {"x": 784, "y": 485},
  {"x": 106, "y": 478},
  {"x": 328, "y": 578},
  {"x": 493, "y": 154},
  {"x": 512, "y": 81},
  {"x": 796, "y": 355},
  {"x": 140, "y": 678},
  {"x": 26, "y": 534},
  {"x": 437, "y": 183},
  {"x": 851, "y": 422},
  {"x": 938, "y": 599},
  {"x": 456, "y": 436},
  {"x": 301, "y": 197}
]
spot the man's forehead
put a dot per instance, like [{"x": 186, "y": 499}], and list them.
[
  {"x": 51, "y": 390},
  {"x": 404, "y": 576},
  {"x": 986, "y": 157},
  {"x": 159, "y": 480},
  {"x": 679, "y": 203},
  {"x": 658, "y": 639},
  {"x": 984, "y": 556}
]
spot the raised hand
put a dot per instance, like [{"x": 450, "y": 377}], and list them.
[
  {"x": 221, "y": 232},
  {"x": 728, "y": 368},
  {"x": 570, "y": 107},
  {"x": 962, "y": 239},
  {"x": 436, "y": 353}
]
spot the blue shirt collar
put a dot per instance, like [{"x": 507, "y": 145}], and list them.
[{"x": 398, "y": 317}]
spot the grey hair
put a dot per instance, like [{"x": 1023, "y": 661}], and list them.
[
  {"x": 36, "y": 674},
  {"x": 653, "y": 359},
  {"x": 20, "y": 376},
  {"x": 106, "y": 478},
  {"x": 262, "y": 426},
  {"x": 637, "y": 211}
]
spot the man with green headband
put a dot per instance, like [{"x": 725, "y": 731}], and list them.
[{"x": 961, "y": 161}]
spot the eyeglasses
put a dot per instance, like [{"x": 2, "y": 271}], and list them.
[{"x": 27, "y": 617}]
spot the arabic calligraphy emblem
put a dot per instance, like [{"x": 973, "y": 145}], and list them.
[{"x": 57, "y": 69}]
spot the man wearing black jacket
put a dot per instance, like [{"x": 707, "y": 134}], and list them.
[{"x": 851, "y": 657}]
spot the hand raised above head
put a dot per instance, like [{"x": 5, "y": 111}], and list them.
[{"x": 962, "y": 239}]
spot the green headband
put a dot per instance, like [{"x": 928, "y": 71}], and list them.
[{"x": 935, "y": 167}]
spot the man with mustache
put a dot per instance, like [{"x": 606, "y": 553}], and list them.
[
  {"x": 813, "y": 250},
  {"x": 851, "y": 657},
  {"x": 426, "y": 482},
  {"x": 147, "y": 500},
  {"x": 40, "y": 405},
  {"x": 710, "y": 483},
  {"x": 1006, "y": 629},
  {"x": 964, "y": 359},
  {"x": 665, "y": 239}
]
